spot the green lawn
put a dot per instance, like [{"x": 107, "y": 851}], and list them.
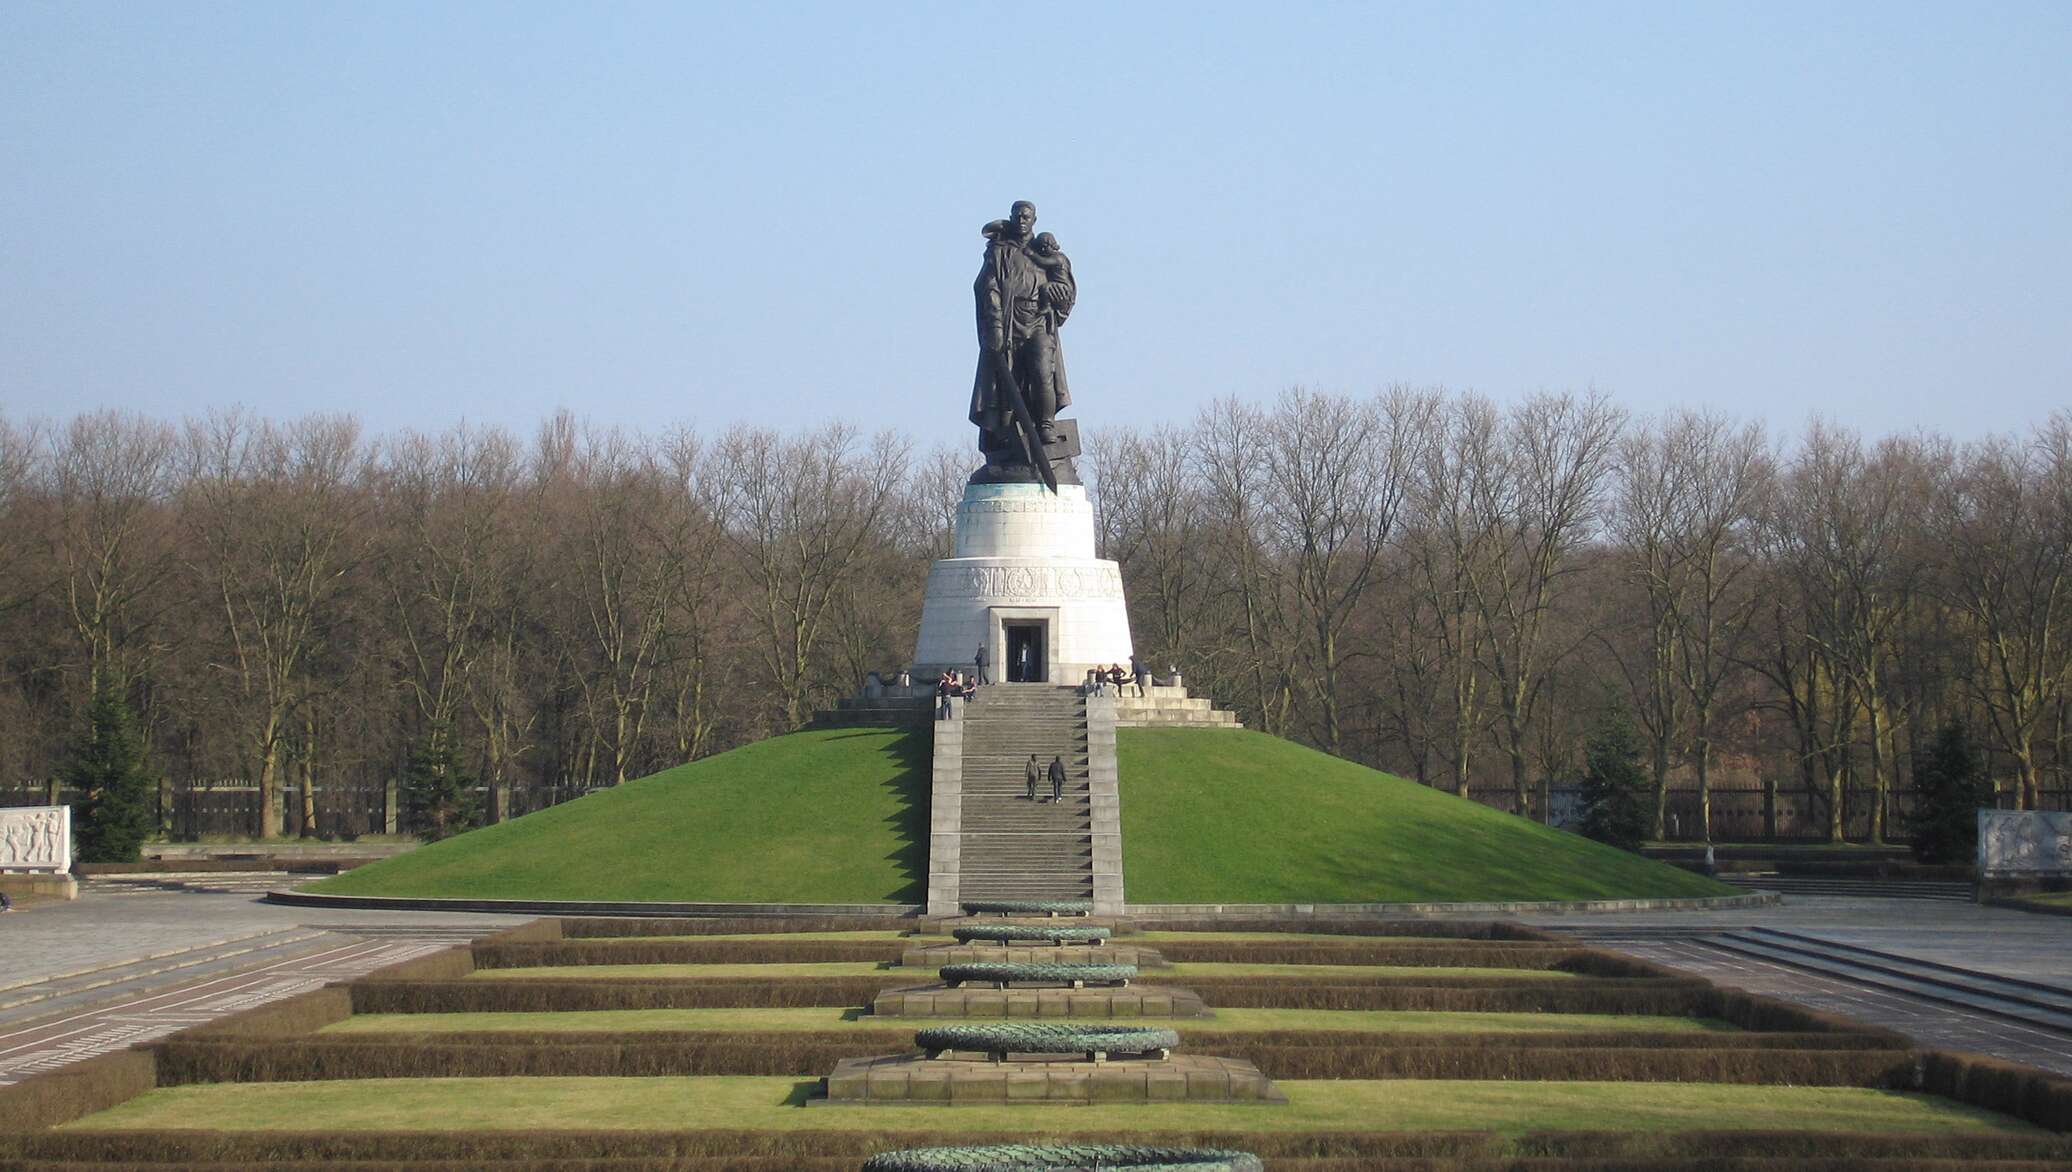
[
  {"x": 835, "y": 816},
  {"x": 1175, "y": 974},
  {"x": 1242, "y": 817},
  {"x": 794, "y": 1020},
  {"x": 474, "y": 1104}
]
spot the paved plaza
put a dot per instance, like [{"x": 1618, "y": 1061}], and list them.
[
  {"x": 130, "y": 962},
  {"x": 1983, "y": 945}
]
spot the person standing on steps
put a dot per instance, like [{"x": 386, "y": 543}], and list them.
[
  {"x": 979, "y": 661},
  {"x": 1057, "y": 779},
  {"x": 1030, "y": 771}
]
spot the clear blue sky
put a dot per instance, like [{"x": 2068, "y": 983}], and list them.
[{"x": 721, "y": 212}]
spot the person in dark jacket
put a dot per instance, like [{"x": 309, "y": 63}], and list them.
[
  {"x": 1031, "y": 771},
  {"x": 1057, "y": 779},
  {"x": 979, "y": 661}
]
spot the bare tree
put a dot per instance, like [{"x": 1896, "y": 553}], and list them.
[
  {"x": 1545, "y": 504},
  {"x": 112, "y": 475},
  {"x": 1337, "y": 475},
  {"x": 275, "y": 517},
  {"x": 1255, "y": 650},
  {"x": 1460, "y": 501},
  {"x": 449, "y": 543},
  {"x": 2001, "y": 525},
  {"x": 1691, "y": 487},
  {"x": 19, "y": 467},
  {"x": 611, "y": 581},
  {"x": 1149, "y": 505},
  {"x": 802, "y": 514}
]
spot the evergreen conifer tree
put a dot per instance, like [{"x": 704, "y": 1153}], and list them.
[
  {"x": 1950, "y": 785},
  {"x": 1614, "y": 811},
  {"x": 438, "y": 791},
  {"x": 107, "y": 767}
]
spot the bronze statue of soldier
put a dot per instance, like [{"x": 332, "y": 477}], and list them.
[{"x": 1023, "y": 294}]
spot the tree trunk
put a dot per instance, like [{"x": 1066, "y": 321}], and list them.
[
  {"x": 1878, "y": 783},
  {"x": 1660, "y": 767},
  {"x": 309, "y": 787},
  {"x": 1704, "y": 748},
  {"x": 270, "y": 785}
]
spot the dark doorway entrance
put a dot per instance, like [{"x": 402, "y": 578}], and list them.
[{"x": 1025, "y": 653}]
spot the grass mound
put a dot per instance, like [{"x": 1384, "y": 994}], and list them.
[
  {"x": 1242, "y": 817},
  {"x": 830, "y": 816}
]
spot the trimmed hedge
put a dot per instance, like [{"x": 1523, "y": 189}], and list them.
[
  {"x": 444, "y": 965},
  {"x": 1030, "y": 1158},
  {"x": 2042, "y": 1098},
  {"x": 1028, "y": 1037},
  {"x": 1663, "y": 998},
  {"x": 804, "y": 1055},
  {"x": 644, "y": 1150},
  {"x": 615, "y": 927},
  {"x": 778, "y": 1152},
  {"x": 76, "y": 1091},
  {"x": 531, "y": 932},
  {"x": 1430, "y": 929},
  {"x": 1004, "y": 971},
  {"x": 641, "y": 951},
  {"x": 302, "y": 1014},
  {"x": 1432, "y": 954},
  {"x": 544, "y": 996},
  {"x": 1280, "y": 1164},
  {"x": 811, "y": 1053}
]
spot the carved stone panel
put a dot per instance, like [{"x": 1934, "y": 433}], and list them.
[
  {"x": 2024, "y": 843},
  {"x": 36, "y": 838}
]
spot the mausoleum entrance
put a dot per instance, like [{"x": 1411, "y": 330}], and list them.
[{"x": 1026, "y": 661}]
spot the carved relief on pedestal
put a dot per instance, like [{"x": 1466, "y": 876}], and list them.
[
  {"x": 990, "y": 582},
  {"x": 36, "y": 838}
]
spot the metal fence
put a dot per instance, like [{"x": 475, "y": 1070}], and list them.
[
  {"x": 1751, "y": 811},
  {"x": 198, "y": 809}
]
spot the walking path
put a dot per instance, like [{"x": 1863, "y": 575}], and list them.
[
  {"x": 130, "y": 962},
  {"x": 1951, "y": 976}
]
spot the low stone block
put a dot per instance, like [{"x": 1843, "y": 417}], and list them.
[
  {"x": 1116, "y": 1085},
  {"x": 1067, "y": 1086},
  {"x": 886, "y": 1083},
  {"x": 979, "y": 1087},
  {"x": 1165, "y": 1086},
  {"x": 1207, "y": 1083},
  {"x": 937, "y": 1000},
  {"x": 918, "y": 1080}
]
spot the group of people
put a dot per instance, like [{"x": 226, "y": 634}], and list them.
[
  {"x": 952, "y": 683},
  {"x": 1100, "y": 680},
  {"x": 1056, "y": 773}
]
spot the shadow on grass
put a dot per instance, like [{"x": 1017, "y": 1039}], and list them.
[
  {"x": 910, "y": 753},
  {"x": 800, "y": 1092}
]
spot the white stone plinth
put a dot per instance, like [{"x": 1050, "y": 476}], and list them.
[{"x": 1024, "y": 554}]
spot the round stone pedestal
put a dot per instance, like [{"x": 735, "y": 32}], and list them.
[{"x": 1024, "y": 569}]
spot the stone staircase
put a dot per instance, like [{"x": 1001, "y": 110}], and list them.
[
  {"x": 1169, "y": 706},
  {"x": 1013, "y": 848}
]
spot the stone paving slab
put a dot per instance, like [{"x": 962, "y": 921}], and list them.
[
  {"x": 934, "y": 956},
  {"x": 912, "y": 1080},
  {"x": 145, "y": 1014},
  {"x": 939, "y": 1000},
  {"x": 114, "y": 924}
]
